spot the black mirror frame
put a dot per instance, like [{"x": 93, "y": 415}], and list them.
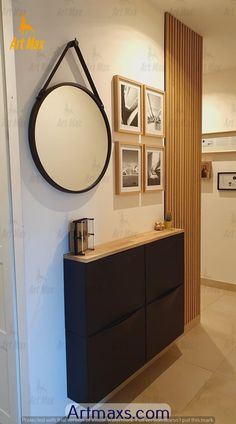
[{"x": 32, "y": 141}]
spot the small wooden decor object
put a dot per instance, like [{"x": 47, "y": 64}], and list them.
[{"x": 206, "y": 170}]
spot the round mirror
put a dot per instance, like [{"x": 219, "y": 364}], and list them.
[{"x": 70, "y": 138}]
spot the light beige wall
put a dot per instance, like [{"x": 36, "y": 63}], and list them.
[
  {"x": 123, "y": 37},
  {"x": 219, "y": 101},
  {"x": 219, "y": 207}
]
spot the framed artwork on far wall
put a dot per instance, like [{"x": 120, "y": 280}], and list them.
[
  {"x": 226, "y": 181},
  {"x": 128, "y": 104},
  {"x": 206, "y": 170},
  {"x": 128, "y": 158},
  {"x": 153, "y": 160},
  {"x": 154, "y": 112}
]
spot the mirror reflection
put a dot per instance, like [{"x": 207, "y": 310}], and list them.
[{"x": 71, "y": 138}]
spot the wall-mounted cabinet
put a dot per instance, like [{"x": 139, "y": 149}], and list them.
[{"x": 124, "y": 303}]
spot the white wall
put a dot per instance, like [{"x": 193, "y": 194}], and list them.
[
  {"x": 116, "y": 37},
  {"x": 219, "y": 207},
  {"x": 219, "y": 101}
]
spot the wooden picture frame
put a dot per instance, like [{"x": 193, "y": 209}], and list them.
[
  {"x": 153, "y": 112},
  {"x": 154, "y": 168},
  {"x": 128, "y": 167},
  {"x": 128, "y": 105},
  {"x": 226, "y": 181},
  {"x": 206, "y": 170}
]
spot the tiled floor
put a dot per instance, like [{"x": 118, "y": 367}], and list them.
[{"x": 197, "y": 376}]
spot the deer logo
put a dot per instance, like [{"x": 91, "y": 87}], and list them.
[
  {"x": 26, "y": 42},
  {"x": 24, "y": 27}
]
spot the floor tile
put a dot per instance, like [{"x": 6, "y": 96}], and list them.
[
  {"x": 197, "y": 375},
  {"x": 219, "y": 323},
  {"x": 224, "y": 384},
  {"x": 228, "y": 366},
  {"x": 230, "y": 292},
  {"x": 226, "y": 305},
  {"x": 203, "y": 348},
  {"x": 209, "y": 295},
  {"x": 213, "y": 402},
  {"x": 176, "y": 386},
  {"x": 144, "y": 380}
]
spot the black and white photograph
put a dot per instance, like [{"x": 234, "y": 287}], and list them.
[
  {"x": 128, "y": 171},
  {"x": 128, "y": 106},
  {"x": 153, "y": 112},
  {"x": 130, "y": 168},
  {"x": 153, "y": 165},
  {"x": 226, "y": 181}
]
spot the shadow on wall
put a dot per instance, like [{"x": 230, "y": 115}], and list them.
[
  {"x": 207, "y": 185},
  {"x": 148, "y": 199},
  {"x": 45, "y": 295},
  {"x": 220, "y": 157},
  {"x": 47, "y": 195},
  {"x": 227, "y": 194}
]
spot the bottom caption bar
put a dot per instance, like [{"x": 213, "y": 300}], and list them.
[{"x": 119, "y": 412}]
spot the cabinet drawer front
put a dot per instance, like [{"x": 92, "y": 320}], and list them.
[
  {"x": 102, "y": 292},
  {"x": 164, "y": 266},
  {"x": 115, "y": 354},
  {"x": 115, "y": 287},
  {"x": 165, "y": 321},
  {"x": 76, "y": 367}
]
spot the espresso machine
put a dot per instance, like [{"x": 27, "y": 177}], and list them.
[{"x": 81, "y": 236}]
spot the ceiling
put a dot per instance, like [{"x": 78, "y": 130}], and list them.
[{"x": 215, "y": 20}]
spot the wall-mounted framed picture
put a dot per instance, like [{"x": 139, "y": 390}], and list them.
[
  {"x": 128, "y": 158},
  {"x": 153, "y": 164},
  {"x": 154, "y": 112},
  {"x": 206, "y": 170},
  {"x": 219, "y": 142},
  {"x": 226, "y": 181},
  {"x": 128, "y": 104}
]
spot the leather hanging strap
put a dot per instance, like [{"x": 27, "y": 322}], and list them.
[{"x": 72, "y": 44}]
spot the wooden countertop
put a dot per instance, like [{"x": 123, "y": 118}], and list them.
[{"x": 120, "y": 245}]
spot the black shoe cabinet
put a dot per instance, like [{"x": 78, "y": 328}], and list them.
[{"x": 121, "y": 309}]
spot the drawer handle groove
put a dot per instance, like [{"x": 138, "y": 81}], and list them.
[
  {"x": 116, "y": 322},
  {"x": 165, "y": 294}
]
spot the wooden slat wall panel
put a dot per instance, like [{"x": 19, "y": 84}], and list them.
[{"x": 183, "y": 85}]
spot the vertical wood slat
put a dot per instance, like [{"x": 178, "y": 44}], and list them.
[{"x": 183, "y": 86}]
